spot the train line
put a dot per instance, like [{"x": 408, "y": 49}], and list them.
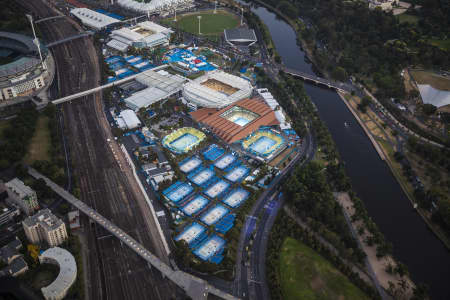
[{"x": 114, "y": 271}]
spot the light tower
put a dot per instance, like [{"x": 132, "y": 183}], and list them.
[
  {"x": 199, "y": 18},
  {"x": 242, "y": 16},
  {"x": 175, "y": 19},
  {"x": 36, "y": 42},
  {"x": 215, "y": 7}
]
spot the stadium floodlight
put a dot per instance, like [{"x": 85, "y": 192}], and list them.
[
  {"x": 242, "y": 16},
  {"x": 199, "y": 18},
  {"x": 175, "y": 14},
  {"x": 36, "y": 42}
]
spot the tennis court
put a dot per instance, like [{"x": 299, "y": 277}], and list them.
[
  {"x": 214, "y": 214},
  {"x": 217, "y": 189},
  {"x": 195, "y": 205},
  {"x": 210, "y": 247}
]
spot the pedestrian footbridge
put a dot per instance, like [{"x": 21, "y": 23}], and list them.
[
  {"x": 70, "y": 38},
  {"x": 194, "y": 287}
]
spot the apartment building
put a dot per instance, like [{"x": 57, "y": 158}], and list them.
[
  {"x": 21, "y": 196},
  {"x": 44, "y": 226}
]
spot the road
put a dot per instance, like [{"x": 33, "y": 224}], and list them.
[
  {"x": 105, "y": 180},
  {"x": 250, "y": 279}
]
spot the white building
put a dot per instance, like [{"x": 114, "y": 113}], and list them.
[
  {"x": 156, "y": 6},
  {"x": 130, "y": 119},
  {"x": 383, "y": 4},
  {"x": 67, "y": 272},
  {"x": 145, "y": 34},
  {"x": 160, "y": 85},
  {"x": 216, "y": 89},
  {"x": 275, "y": 106},
  {"x": 22, "y": 196},
  {"x": 93, "y": 19},
  {"x": 45, "y": 226}
]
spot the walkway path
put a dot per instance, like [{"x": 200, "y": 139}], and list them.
[{"x": 194, "y": 287}]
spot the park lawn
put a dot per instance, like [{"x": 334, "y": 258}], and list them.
[
  {"x": 406, "y": 18},
  {"x": 436, "y": 81},
  {"x": 210, "y": 24},
  {"x": 443, "y": 44},
  {"x": 39, "y": 148},
  {"x": 304, "y": 274}
]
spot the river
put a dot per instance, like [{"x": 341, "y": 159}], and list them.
[{"x": 414, "y": 244}]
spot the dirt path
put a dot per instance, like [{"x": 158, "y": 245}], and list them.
[{"x": 379, "y": 265}]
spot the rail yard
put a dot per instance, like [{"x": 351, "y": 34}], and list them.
[{"x": 113, "y": 271}]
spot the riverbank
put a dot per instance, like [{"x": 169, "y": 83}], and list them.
[
  {"x": 389, "y": 280},
  {"x": 371, "y": 178},
  {"x": 386, "y": 152},
  {"x": 366, "y": 130}
]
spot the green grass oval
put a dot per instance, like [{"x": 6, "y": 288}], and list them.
[
  {"x": 211, "y": 24},
  {"x": 304, "y": 274}
]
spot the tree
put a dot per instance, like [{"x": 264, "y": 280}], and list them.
[
  {"x": 339, "y": 73},
  {"x": 429, "y": 109},
  {"x": 365, "y": 101}
]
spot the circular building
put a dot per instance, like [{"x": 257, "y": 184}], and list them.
[
  {"x": 67, "y": 272},
  {"x": 183, "y": 140},
  {"x": 216, "y": 89},
  {"x": 21, "y": 70}
]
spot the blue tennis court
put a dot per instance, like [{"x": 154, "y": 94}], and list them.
[
  {"x": 262, "y": 144},
  {"x": 184, "y": 141}
]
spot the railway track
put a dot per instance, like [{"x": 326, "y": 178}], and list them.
[{"x": 114, "y": 271}]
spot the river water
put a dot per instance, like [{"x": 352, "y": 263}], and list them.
[{"x": 414, "y": 244}]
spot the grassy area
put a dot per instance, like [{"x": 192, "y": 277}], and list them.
[
  {"x": 443, "y": 44},
  {"x": 307, "y": 275},
  {"x": 406, "y": 18},
  {"x": 40, "y": 143},
  {"x": 436, "y": 81},
  {"x": 211, "y": 24}
]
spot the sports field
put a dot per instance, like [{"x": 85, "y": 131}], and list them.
[
  {"x": 210, "y": 24},
  {"x": 304, "y": 274}
]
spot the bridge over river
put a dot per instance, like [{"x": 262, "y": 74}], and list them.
[
  {"x": 339, "y": 86},
  {"x": 194, "y": 287}
]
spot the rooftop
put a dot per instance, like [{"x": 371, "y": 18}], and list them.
[
  {"x": 217, "y": 89},
  {"x": 45, "y": 218},
  {"x": 160, "y": 86},
  {"x": 93, "y": 18},
  {"x": 238, "y": 120},
  {"x": 19, "y": 187},
  {"x": 67, "y": 271},
  {"x": 240, "y": 34}
]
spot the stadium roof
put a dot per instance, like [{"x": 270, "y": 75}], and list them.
[
  {"x": 67, "y": 272},
  {"x": 204, "y": 96},
  {"x": 92, "y": 18},
  {"x": 240, "y": 34},
  {"x": 229, "y": 131},
  {"x": 153, "y": 5},
  {"x": 23, "y": 44}
]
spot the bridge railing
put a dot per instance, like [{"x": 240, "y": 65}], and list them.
[{"x": 195, "y": 287}]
